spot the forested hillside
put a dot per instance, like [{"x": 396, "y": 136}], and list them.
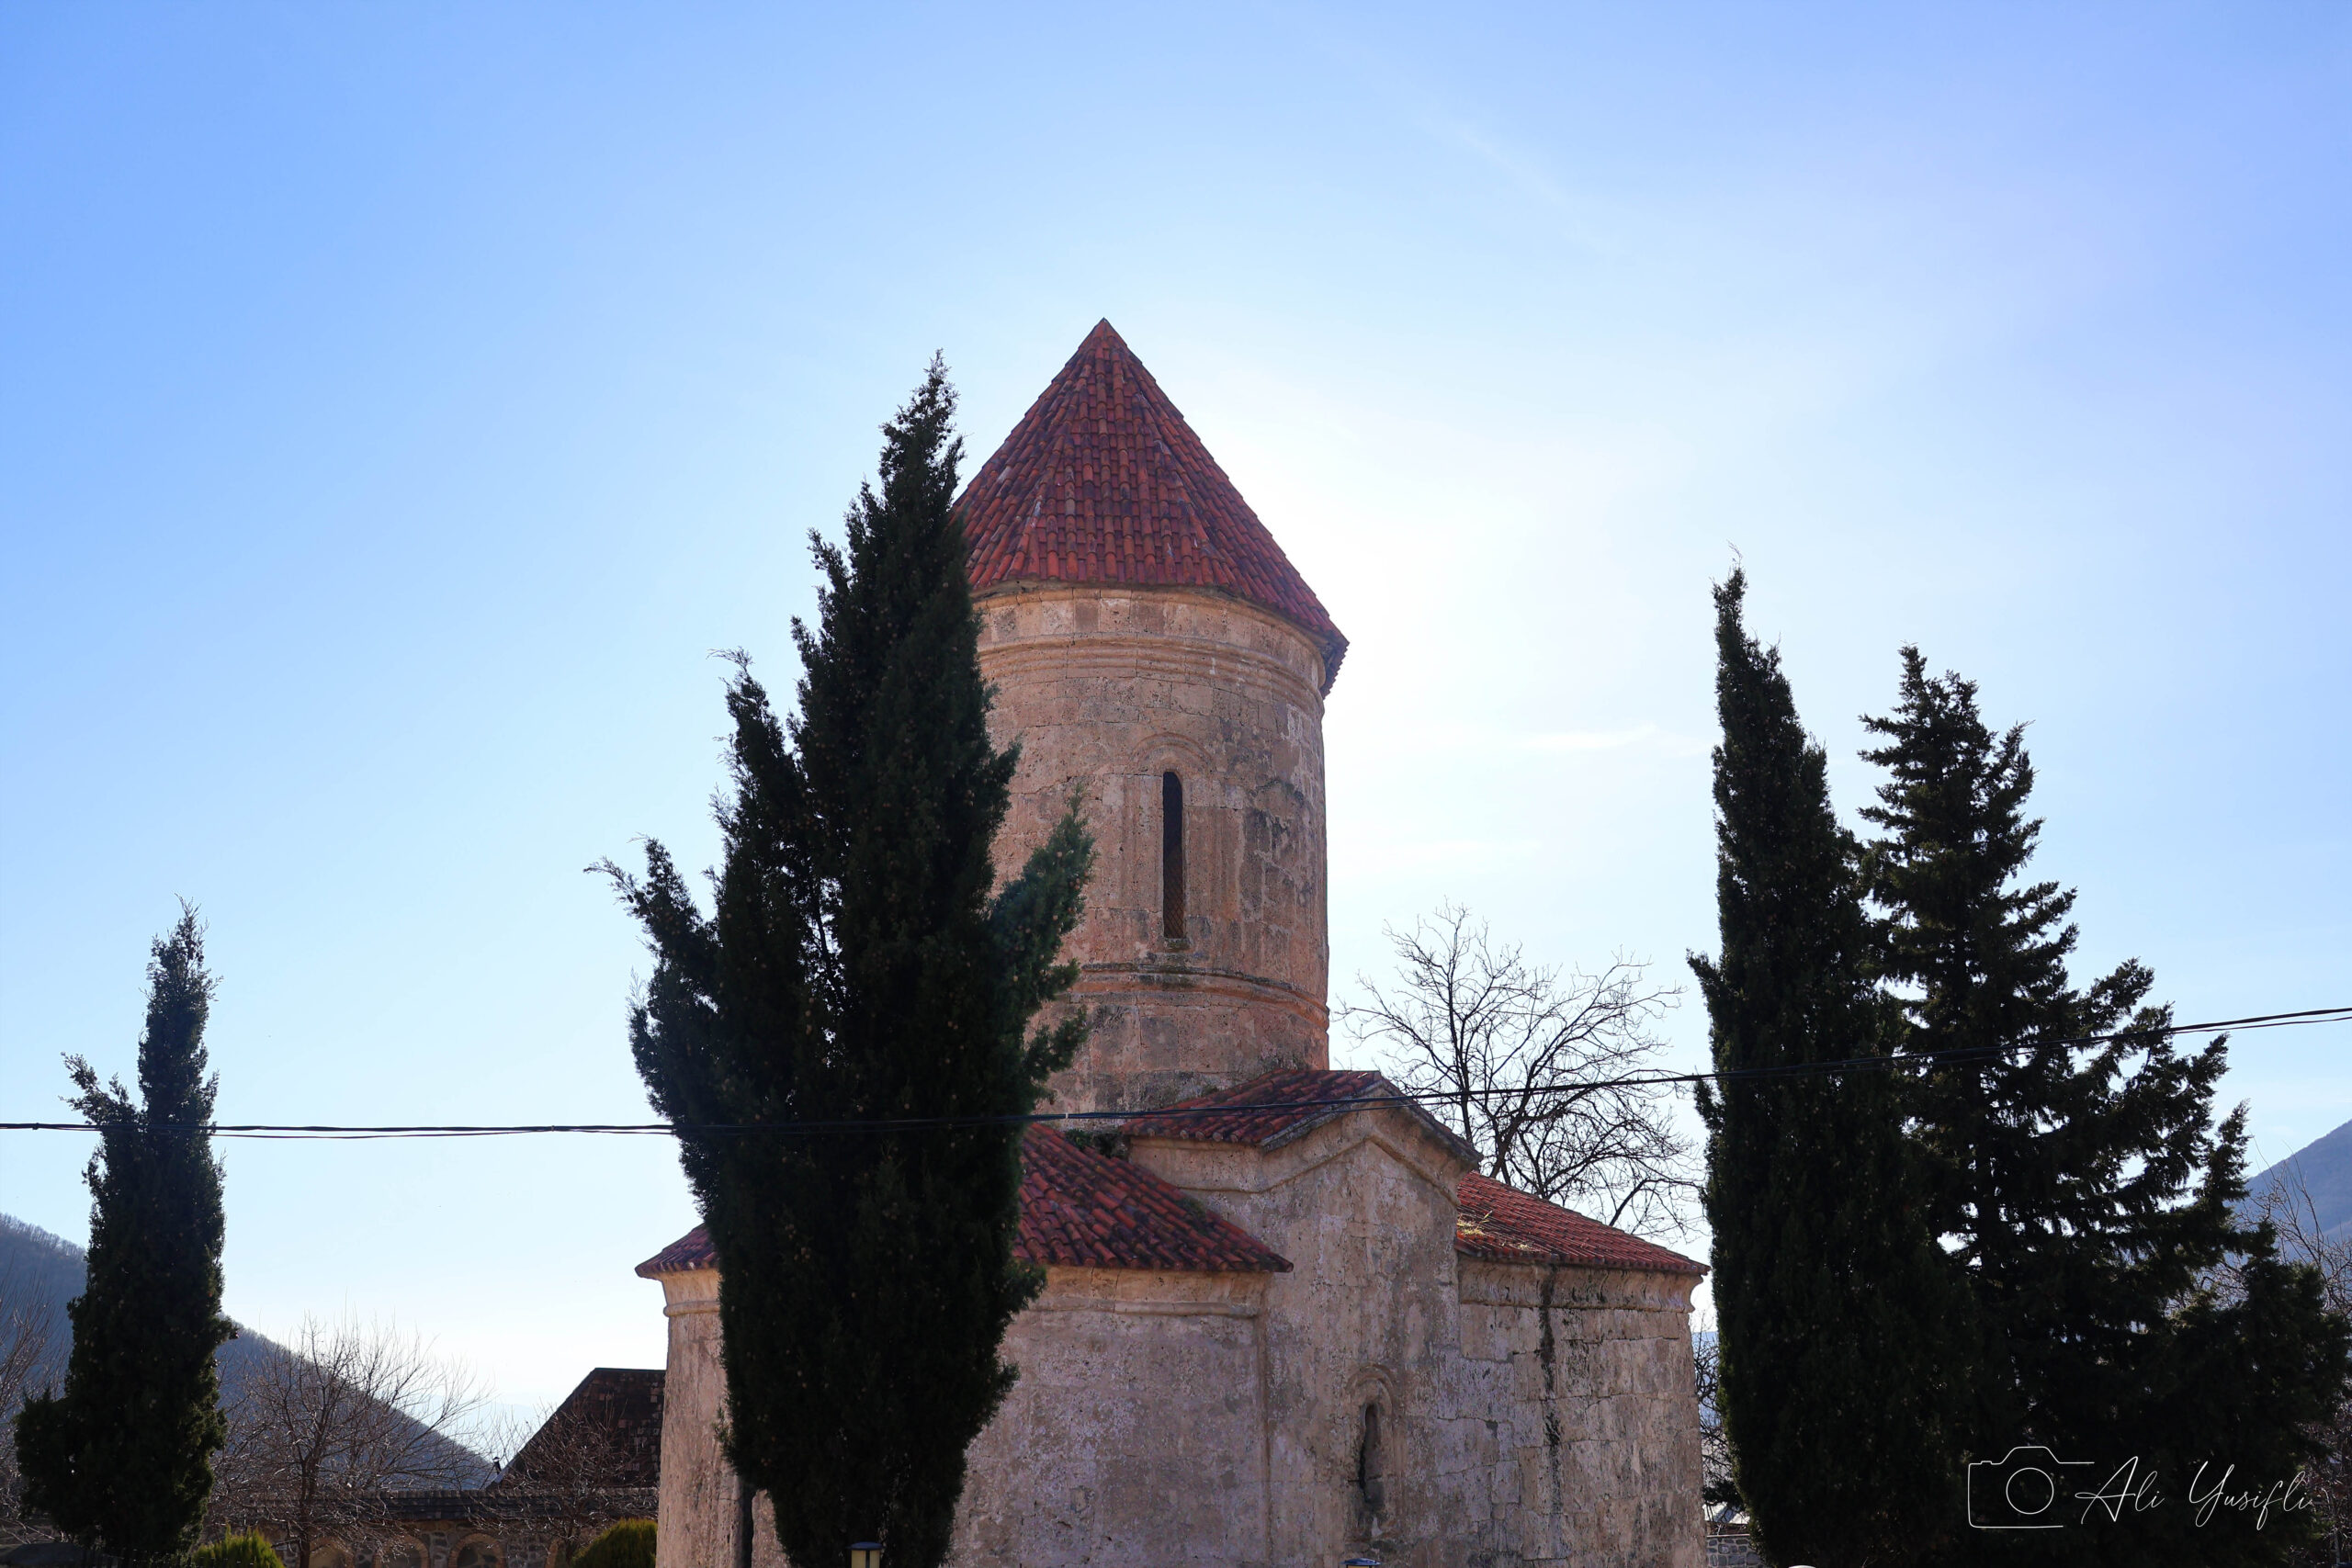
[{"x": 40, "y": 1272}]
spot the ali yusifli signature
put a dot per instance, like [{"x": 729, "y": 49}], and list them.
[{"x": 2024, "y": 1490}]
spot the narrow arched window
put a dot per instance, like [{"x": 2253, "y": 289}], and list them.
[
  {"x": 1172, "y": 857},
  {"x": 1372, "y": 1463}
]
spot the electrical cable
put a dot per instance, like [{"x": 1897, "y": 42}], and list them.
[{"x": 2131, "y": 1038}]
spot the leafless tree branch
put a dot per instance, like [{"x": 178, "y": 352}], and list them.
[
  {"x": 571, "y": 1469},
  {"x": 1715, "y": 1448},
  {"x": 348, "y": 1411},
  {"x": 2287, "y": 1203},
  {"x": 1521, "y": 1056},
  {"x": 30, "y": 1350}
]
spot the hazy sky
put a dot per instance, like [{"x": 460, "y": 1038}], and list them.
[{"x": 398, "y": 402}]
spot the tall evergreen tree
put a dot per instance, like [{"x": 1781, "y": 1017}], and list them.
[
  {"x": 855, "y": 969},
  {"x": 2086, "y": 1194},
  {"x": 1835, "y": 1307},
  {"x": 122, "y": 1458}
]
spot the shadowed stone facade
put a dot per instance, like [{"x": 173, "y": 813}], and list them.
[{"x": 1286, "y": 1322}]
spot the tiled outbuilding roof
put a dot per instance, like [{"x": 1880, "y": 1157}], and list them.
[
  {"x": 1102, "y": 481},
  {"x": 607, "y": 1433},
  {"x": 1272, "y": 1111},
  {"x": 1080, "y": 1209},
  {"x": 1502, "y": 1224}
]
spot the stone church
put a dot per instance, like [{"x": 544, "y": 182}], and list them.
[{"x": 1283, "y": 1322}]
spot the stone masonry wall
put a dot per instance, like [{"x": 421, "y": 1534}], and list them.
[
  {"x": 1528, "y": 1415},
  {"x": 1106, "y": 689},
  {"x": 699, "y": 1505},
  {"x": 1363, "y": 1209},
  {"x": 1175, "y": 1420},
  {"x": 1136, "y": 1433},
  {"x": 1575, "y": 1403}
]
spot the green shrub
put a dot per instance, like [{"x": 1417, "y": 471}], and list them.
[
  {"x": 251, "y": 1549},
  {"x": 628, "y": 1544}
]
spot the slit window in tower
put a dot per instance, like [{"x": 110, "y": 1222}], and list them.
[
  {"x": 1372, "y": 1463},
  {"x": 1172, "y": 857}
]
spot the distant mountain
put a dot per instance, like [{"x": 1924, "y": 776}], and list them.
[
  {"x": 38, "y": 1274},
  {"x": 37, "y": 1268},
  {"x": 46, "y": 1271},
  {"x": 2325, "y": 1169}
]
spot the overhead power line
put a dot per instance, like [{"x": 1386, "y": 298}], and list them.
[{"x": 1904, "y": 1061}]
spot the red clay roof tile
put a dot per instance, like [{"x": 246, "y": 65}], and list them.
[
  {"x": 684, "y": 1256},
  {"x": 1501, "y": 1225},
  {"x": 1267, "y": 1111},
  {"x": 1102, "y": 481},
  {"x": 1272, "y": 1111},
  {"x": 1080, "y": 1209},
  {"x": 1085, "y": 1209},
  {"x": 1494, "y": 1222}
]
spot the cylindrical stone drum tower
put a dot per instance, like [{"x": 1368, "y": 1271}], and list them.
[{"x": 1153, "y": 649}]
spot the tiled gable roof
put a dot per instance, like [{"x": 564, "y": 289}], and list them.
[
  {"x": 1102, "y": 481},
  {"x": 1270, "y": 1112},
  {"x": 1080, "y": 1209},
  {"x": 1501, "y": 1225},
  {"x": 607, "y": 1433}
]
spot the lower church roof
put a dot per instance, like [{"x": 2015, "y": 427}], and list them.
[
  {"x": 1087, "y": 1210},
  {"x": 1496, "y": 1223},
  {"x": 1283, "y": 1106},
  {"x": 1080, "y": 1208}
]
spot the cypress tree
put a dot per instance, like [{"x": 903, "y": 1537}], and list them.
[
  {"x": 1834, "y": 1304},
  {"x": 122, "y": 1458},
  {"x": 2087, "y": 1195},
  {"x": 855, "y": 969}
]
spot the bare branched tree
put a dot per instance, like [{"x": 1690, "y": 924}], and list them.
[
  {"x": 2286, "y": 1201},
  {"x": 30, "y": 1357},
  {"x": 1528, "y": 1063},
  {"x": 349, "y": 1412},
  {"x": 538, "y": 1449},
  {"x": 1714, "y": 1449},
  {"x": 571, "y": 1475}
]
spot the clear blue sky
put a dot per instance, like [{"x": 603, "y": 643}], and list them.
[{"x": 398, "y": 402}]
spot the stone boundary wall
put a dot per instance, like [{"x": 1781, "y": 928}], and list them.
[{"x": 1732, "y": 1551}]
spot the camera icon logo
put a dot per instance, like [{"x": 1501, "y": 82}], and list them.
[{"x": 2020, "y": 1491}]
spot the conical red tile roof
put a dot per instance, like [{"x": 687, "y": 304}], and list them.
[{"x": 1102, "y": 481}]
